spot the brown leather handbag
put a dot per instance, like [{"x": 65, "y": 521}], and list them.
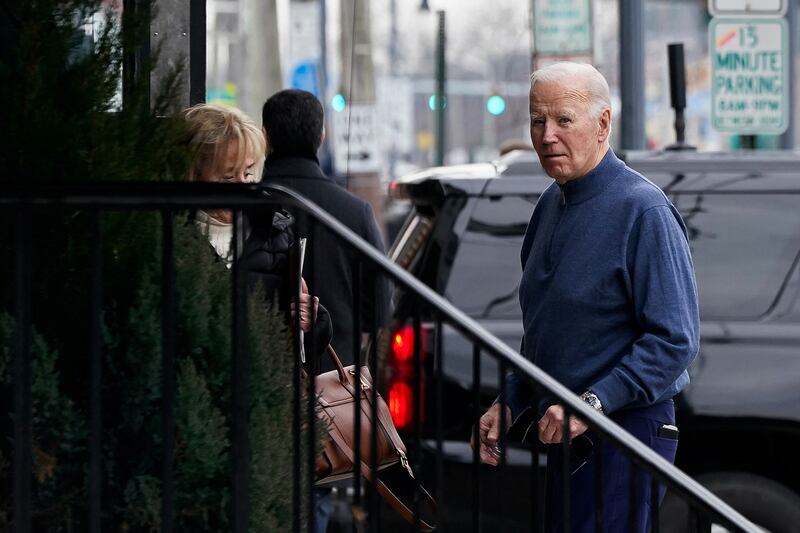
[{"x": 336, "y": 392}]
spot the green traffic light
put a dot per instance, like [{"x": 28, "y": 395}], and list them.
[
  {"x": 496, "y": 104},
  {"x": 432, "y": 102},
  {"x": 338, "y": 102}
]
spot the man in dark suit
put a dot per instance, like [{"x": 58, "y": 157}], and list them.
[{"x": 293, "y": 123}]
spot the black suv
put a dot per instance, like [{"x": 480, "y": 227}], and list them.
[{"x": 740, "y": 416}]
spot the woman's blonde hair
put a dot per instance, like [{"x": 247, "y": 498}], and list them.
[{"x": 211, "y": 128}]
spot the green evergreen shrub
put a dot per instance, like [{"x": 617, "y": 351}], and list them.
[{"x": 60, "y": 123}]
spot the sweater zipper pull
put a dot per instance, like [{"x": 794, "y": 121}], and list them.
[{"x": 563, "y": 196}]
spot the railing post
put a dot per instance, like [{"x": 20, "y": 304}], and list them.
[
  {"x": 296, "y": 396},
  {"x": 23, "y": 431},
  {"x": 240, "y": 383},
  {"x": 357, "y": 280},
  {"x": 537, "y": 494},
  {"x": 501, "y": 442},
  {"x": 372, "y": 359},
  {"x": 566, "y": 471},
  {"x": 417, "y": 344},
  {"x": 438, "y": 361},
  {"x": 312, "y": 364},
  {"x": 168, "y": 312},
  {"x": 95, "y": 375},
  {"x": 476, "y": 415}
]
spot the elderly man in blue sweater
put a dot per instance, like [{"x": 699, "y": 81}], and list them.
[{"x": 608, "y": 296}]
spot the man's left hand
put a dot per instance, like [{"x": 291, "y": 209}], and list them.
[{"x": 551, "y": 426}]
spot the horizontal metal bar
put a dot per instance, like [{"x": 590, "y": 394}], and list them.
[{"x": 135, "y": 195}]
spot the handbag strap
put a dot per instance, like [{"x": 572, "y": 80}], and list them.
[
  {"x": 385, "y": 492},
  {"x": 337, "y": 363},
  {"x": 383, "y": 417}
]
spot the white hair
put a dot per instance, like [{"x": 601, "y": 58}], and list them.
[{"x": 596, "y": 84}]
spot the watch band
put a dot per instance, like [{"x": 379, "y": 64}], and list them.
[{"x": 591, "y": 398}]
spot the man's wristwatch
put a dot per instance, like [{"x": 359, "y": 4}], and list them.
[{"x": 592, "y": 399}]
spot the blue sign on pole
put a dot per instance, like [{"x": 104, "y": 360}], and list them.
[{"x": 304, "y": 76}]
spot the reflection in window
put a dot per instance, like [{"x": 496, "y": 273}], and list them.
[
  {"x": 484, "y": 282},
  {"x": 743, "y": 247}
]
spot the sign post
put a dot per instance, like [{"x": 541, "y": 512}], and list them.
[{"x": 749, "y": 62}]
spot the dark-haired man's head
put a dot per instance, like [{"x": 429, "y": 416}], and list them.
[{"x": 293, "y": 122}]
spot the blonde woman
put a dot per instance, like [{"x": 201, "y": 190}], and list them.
[{"x": 227, "y": 147}]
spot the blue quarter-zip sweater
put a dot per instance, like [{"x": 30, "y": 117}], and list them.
[{"x": 608, "y": 294}]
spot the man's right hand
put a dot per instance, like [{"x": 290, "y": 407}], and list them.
[{"x": 489, "y": 434}]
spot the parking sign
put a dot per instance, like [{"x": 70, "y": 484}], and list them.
[
  {"x": 562, "y": 27},
  {"x": 749, "y": 63},
  {"x": 355, "y": 140},
  {"x": 747, "y": 8}
]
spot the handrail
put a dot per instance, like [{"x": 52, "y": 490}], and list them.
[
  {"x": 164, "y": 195},
  {"x": 669, "y": 473}
]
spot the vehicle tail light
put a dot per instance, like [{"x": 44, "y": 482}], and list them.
[
  {"x": 403, "y": 345},
  {"x": 401, "y": 404},
  {"x": 401, "y": 381}
]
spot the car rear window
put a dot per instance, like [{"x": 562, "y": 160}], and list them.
[
  {"x": 485, "y": 276},
  {"x": 743, "y": 247}
]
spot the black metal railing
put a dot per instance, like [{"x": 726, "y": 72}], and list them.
[{"x": 174, "y": 197}]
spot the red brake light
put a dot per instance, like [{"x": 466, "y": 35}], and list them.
[
  {"x": 401, "y": 404},
  {"x": 403, "y": 344},
  {"x": 400, "y": 395}
]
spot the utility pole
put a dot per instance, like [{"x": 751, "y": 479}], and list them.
[
  {"x": 441, "y": 94},
  {"x": 394, "y": 54},
  {"x": 631, "y": 73},
  {"x": 262, "y": 64},
  {"x": 394, "y": 59},
  {"x": 358, "y": 76},
  {"x": 325, "y": 149},
  {"x": 358, "y": 85}
]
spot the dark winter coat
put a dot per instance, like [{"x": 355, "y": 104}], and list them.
[
  {"x": 331, "y": 261},
  {"x": 266, "y": 255},
  {"x": 266, "y": 252}
]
